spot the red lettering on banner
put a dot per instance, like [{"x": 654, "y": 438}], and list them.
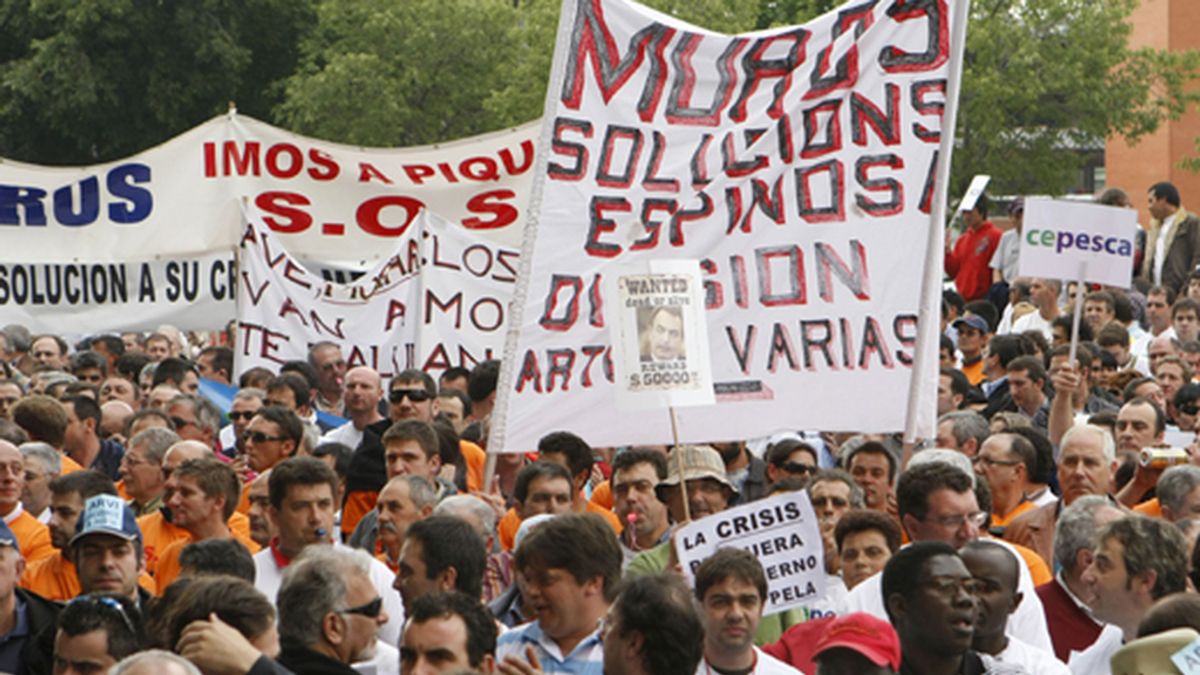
[
  {"x": 254, "y": 297},
  {"x": 268, "y": 341},
  {"x": 491, "y": 203},
  {"x": 396, "y": 310},
  {"x": 279, "y": 214},
  {"x": 369, "y": 211},
  {"x": 326, "y": 167},
  {"x": 367, "y": 173}
]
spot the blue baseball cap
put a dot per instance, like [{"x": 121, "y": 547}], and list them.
[
  {"x": 107, "y": 514},
  {"x": 7, "y": 538}
]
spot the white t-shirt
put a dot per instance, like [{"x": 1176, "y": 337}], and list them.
[
  {"x": 269, "y": 576},
  {"x": 1095, "y": 660},
  {"x": 346, "y": 434},
  {"x": 1034, "y": 660},
  {"x": 1033, "y": 321},
  {"x": 1005, "y": 256},
  {"x": 764, "y": 664},
  {"x": 1028, "y": 622}
]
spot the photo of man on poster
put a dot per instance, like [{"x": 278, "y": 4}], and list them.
[{"x": 660, "y": 334}]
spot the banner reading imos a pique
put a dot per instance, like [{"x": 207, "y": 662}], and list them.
[
  {"x": 150, "y": 238},
  {"x": 799, "y": 165}
]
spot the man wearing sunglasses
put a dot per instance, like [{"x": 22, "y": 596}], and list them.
[
  {"x": 790, "y": 458},
  {"x": 332, "y": 611},
  {"x": 246, "y": 402}
]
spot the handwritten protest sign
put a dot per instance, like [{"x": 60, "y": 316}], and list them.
[
  {"x": 661, "y": 340},
  {"x": 798, "y": 165},
  {"x": 781, "y": 531},
  {"x": 1077, "y": 240},
  {"x": 69, "y": 231}
]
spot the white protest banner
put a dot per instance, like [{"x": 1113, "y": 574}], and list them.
[
  {"x": 660, "y": 339},
  {"x": 283, "y": 308},
  {"x": 467, "y": 283},
  {"x": 1187, "y": 660},
  {"x": 180, "y": 201},
  {"x": 797, "y": 164},
  {"x": 189, "y": 292},
  {"x": 1063, "y": 240},
  {"x": 978, "y": 184},
  {"x": 781, "y": 531}
]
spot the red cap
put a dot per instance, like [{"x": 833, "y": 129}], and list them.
[{"x": 865, "y": 634}]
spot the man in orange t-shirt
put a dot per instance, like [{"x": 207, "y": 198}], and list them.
[
  {"x": 32, "y": 536},
  {"x": 202, "y": 495}
]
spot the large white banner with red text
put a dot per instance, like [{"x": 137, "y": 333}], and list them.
[
  {"x": 798, "y": 165},
  {"x": 150, "y": 239}
]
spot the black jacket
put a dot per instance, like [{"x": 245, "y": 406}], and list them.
[
  {"x": 38, "y": 652},
  {"x": 303, "y": 661}
]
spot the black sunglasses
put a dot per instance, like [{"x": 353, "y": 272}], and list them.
[
  {"x": 179, "y": 422},
  {"x": 235, "y": 415},
  {"x": 260, "y": 437},
  {"x": 414, "y": 395},
  {"x": 797, "y": 467},
  {"x": 370, "y": 610}
]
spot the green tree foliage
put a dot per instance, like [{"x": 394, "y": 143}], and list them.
[
  {"x": 91, "y": 80},
  {"x": 1043, "y": 78}
]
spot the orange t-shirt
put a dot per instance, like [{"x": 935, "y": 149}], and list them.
[
  {"x": 974, "y": 372},
  {"x": 1151, "y": 507},
  {"x": 475, "y": 459},
  {"x": 243, "y": 506},
  {"x": 511, "y": 522},
  {"x": 168, "y": 560},
  {"x": 1003, "y": 521},
  {"x": 32, "y": 536},
  {"x": 602, "y": 495},
  {"x": 157, "y": 535},
  {"x": 54, "y": 578},
  {"x": 358, "y": 504},
  {"x": 68, "y": 465}
]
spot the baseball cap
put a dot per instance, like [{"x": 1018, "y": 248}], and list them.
[
  {"x": 7, "y": 538},
  {"x": 107, "y": 514},
  {"x": 699, "y": 461},
  {"x": 872, "y": 637},
  {"x": 1017, "y": 206},
  {"x": 974, "y": 321}
]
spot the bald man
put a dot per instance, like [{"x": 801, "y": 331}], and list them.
[
  {"x": 363, "y": 392},
  {"x": 113, "y": 415}
]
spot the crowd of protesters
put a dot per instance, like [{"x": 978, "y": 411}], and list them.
[{"x": 325, "y": 519}]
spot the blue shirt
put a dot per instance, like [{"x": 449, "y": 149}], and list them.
[
  {"x": 586, "y": 659},
  {"x": 13, "y": 642}
]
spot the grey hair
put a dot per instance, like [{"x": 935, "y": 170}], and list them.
[
  {"x": 1174, "y": 486},
  {"x": 208, "y": 415},
  {"x": 965, "y": 425},
  {"x": 457, "y": 504},
  {"x": 838, "y": 475},
  {"x": 1110, "y": 446},
  {"x": 247, "y": 393},
  {"x": 311, "y": 438},
  {"x": 1076, "y": 529},
  {"x": 946, "y": 456},
  {"x": 44, "y": 453},
  {"x": 315, "y": 585},
  {"x": 153, "y": 657},
  {"x": 157, "y": 441},
  {"x": 420, "y": 491}
]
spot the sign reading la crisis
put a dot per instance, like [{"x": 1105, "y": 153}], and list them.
[
  {"x": 798, "y": 165},
  {"x": 88, "y": 228}
]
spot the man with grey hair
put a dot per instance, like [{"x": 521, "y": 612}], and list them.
[
  {"x": 1086, "y": 466},
  {"x": 1178, "y": 492},
  {"x": 962, "y": 430},
  {"x": 154, "y": 662},
  {"x": 329, "y": 611},
  {"x": 403, "y": 501},
  {"x": 1137, "y": 561},
  {"x": 246, "y": 402},
  {"x": 195, "y": 418},
  {"x": 42, "y": 465},
  {"x": 142, "y": 469},
  {"x": 497, "y": 576},
  {"x": 1072, "y": 627}
]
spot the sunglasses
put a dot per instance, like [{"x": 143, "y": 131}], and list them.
[
  {"x": 260, "y": 437},
  {"x": 1189, "y": 408},
  {"x": 414, "y": 395},
  {"x": 797, "y": 467},
  {"x": 179, "y": 422},
  {"x": 97, "y": 602},
  {"x": 370, "y": 610},
  {"x": 235, "y": 415}
]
